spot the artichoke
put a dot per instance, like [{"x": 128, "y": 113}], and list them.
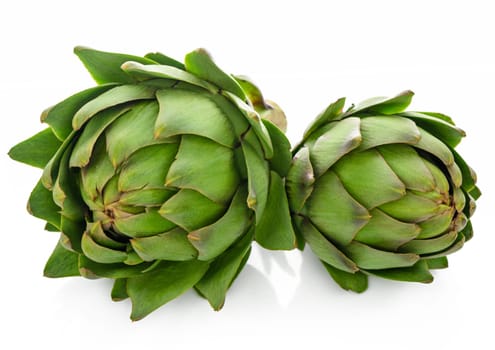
[
  {"x": 377, "y": 190},
  {"x": 160, "y": 177}
]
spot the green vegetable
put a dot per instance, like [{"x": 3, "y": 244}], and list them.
[
  {"x": 159, "y": 177},
  {"x": 376, "y": 190}
]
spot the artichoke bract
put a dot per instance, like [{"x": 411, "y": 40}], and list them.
[
  {"x": 160, "y": 177},
  {"x": 377, "y": 190}
]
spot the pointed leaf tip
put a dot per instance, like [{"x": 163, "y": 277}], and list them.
[{"x": 200, "y": 63}]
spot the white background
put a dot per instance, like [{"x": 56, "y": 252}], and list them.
[{"x": 303, "y": 55}]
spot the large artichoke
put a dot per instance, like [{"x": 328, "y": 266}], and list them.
[
  {"x": 379, "y": 191},
  {"x": 159, "y": 177}
]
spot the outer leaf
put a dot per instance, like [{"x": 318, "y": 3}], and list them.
[
  {"x": 432, "y": 245},
  {"x": 280, "y": 162},
  {"x": 99, "y": 253},
  {"x": 223, "y": 270},
  {"x": 325, "y": 250},
  {"x": 172, "y": 245},
  {"x": 42, "y": 206},
  {"x": 104, "y": 67},
  {"x": 339, "y": 140},
  {"x": 357, "y": 282},
  {"x": 258, "y": 179},
  {"x": 62, "y": 263},
  {"x": 274, "y": 230},
  {"x": 167, "y": 72},
  {"x": 83, "y": 149},
  {"x": 91, "y": 269},
  {"x": 252, "y": 92},
  {"x": 344, "y": 219},
  {"x": 255, "y": 121},
  {"x": 384, "y": 105},
  {"x": 437, "y": 263},
  {"x": 333, "y": 112},
  {"x": 36, "y": 150},
  {"x": 199, "y": 63},
  {"x": 417, "y": 273},
  {"x": 59, "y": 117},
  {"x": 110, "y": 98},
  {"x": 445, "y": 131},
  {"x": 166, "y": 282},
  {"x": 370, "y": 258},
  {"x": 300, "y": 180},
  {"x": 468, "y": 174},
  {"x": 165, "y": 60},
  {"x": 119, "y": 290}
]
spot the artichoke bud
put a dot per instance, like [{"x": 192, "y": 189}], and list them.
[
  {"x": 158, "y": 176},
  {"x": 389, "y": 191}
]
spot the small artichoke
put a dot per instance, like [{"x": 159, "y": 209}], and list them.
[
  {"x": 376, "y": 190},
  {"x": 159, "y": 177}
]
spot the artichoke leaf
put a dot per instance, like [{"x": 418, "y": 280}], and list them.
[
  {"x": 73, "y": 231},
  {"x": 165, "y": 282},
  {"x": 200, "y": 63},
  {"x": 91, "y": 269},
  {"x": 383, "y": 130},
  {"x": 100, "y": 253},
  {"x": 113, "y": 97},
  {"x": 339, "y": 140},
  {"x": 419, "y": 272},
  {"x": 437, "y": 263},
  {"x": 145, "y": 224},
  {"x": 274, "y": 230},
  {"x": 300, "y": 180},
  {"x": 383, "y": 105},
  {"x": 347, "y": 216},
  {"x": 326, "y": 250},
  {"x": 369, "y": 179},
  {"x": 42, "y": 206},
  {"x": 331, "y": 113},
  {"x": 59, "y": 117},
  {"x": 468, "y": 174},
  {"x": 431, "y": 245},
  {"x": 142, "y": 71},
  {"x": 147, "y": 167},
  {"x": 83, "y": 149},
  {"x": 357, "y": 281},
  {"x": 104, "y": 67},
  {"x": 61, "y": 263},
  {"x": 188, "y": 112},
  {"x": 255, "y": 121},
  {"x": 131, "y": 132},
  {"x": 212, "y": 240},
  {"x": 370, "y": 258},
  {"x": 162, "y": 59},
  {"x": 385, "y": 232},
  {"x": 36, "y": 150},
  {"x": 223, "y": 270},
  {"x": 191, "y": 210},
  {"x": 258, "y": 180},
  {"x": 280, "y": 162},
  {"x": 172, "y": 246},
  {"x": 214, "y": 175},
  {"x": 442, "y": 129},
  {"x": 119, "y": 289},
  {"x": 408, "y": 166}
]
